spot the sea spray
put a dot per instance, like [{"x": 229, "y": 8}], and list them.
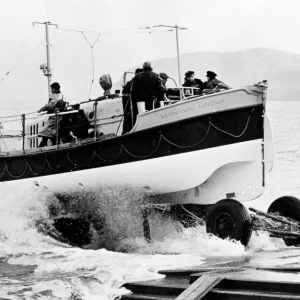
[
  {"x": 114, "y": 212},
  {"x": 20, "y": 210}
]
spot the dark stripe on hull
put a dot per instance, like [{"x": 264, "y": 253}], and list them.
[{"x": 187, "y": 135}]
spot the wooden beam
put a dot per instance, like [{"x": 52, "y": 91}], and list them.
[{"x": 200, "y": 288}]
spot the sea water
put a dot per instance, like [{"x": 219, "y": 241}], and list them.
[{"x": 34, "y": 266}]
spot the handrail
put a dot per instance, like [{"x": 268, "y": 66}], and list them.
[
  {"x": 23, "y": 133},
  {"x": 60, "y": 113},
  {"x": 56, "y": 126},
  {"x": 95, "y": 120}
]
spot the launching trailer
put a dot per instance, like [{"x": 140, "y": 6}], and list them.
[{"x": 229, "y": 219}]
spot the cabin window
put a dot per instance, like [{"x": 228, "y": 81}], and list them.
[
  {"x": 37, "y": 142},
  {"x": 33, "y": 143},
  {"x": 30, "y": 130},
  {"x": 30, "y": 143},
  {"x": 43, "y": 123},
  {"x": 37, "y": 128}
]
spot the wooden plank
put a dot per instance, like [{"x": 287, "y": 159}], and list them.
[
  {"x": 146, "y": 297},
  {"x": 164, "y": 286},
  {"x": 246, "y": 294},
  {"x": 200, "y": 288}
]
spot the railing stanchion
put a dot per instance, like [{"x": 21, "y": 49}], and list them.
[
  {"x": 95, "y": 120},
  {"x": 56, "y": 126},
  {"x": 23, "y": 132}
]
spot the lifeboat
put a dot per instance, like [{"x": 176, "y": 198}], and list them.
[{"x": 196, "y": 150}]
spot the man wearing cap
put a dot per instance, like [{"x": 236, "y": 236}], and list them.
[
  {"x": 128, "y": 105},
  {"x": 164, "y": 78},
  {"x": 191, "y": 81},
  {"x": 146, "y": 87},
  {"x": 212, "y": 82}
]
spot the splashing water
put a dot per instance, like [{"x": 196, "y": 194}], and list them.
[{"x": 52, "y": 270}]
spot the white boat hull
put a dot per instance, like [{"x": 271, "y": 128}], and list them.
[{"x": 200, "y": 177}]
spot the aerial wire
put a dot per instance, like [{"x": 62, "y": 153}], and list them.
[
  {"x": 19, "y": 52},
  {"x": 64, "y": 65},
  {"x": 119, "y": 31},
  {"x": 93, "y": 64}
]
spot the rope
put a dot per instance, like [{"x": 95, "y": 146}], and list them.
[
  {"x": 18, "y": 176},
  {"x": 74, "y": 164},
  {"x": 36, "y": 173},
  {"x": 167, "y": 140},
  {"x": 230, "y": 134},
  {"x": 12, "y": 116},
  {"x": 19, "y": 52},
  {"x": 4, "y": 169},
  {"x": 123, "y": 148},
  {"x": 118, "y": 31},
  {"x": 66, "y": 68},
  {"x": 184, "y": 147},
  {"x": 30, "y": 53},
  {"x": 49, "y": 164},
  {"x": 193, "y": 215},
  {"x": 145, "y": 156},
  {"x": 109, "y": 161}
]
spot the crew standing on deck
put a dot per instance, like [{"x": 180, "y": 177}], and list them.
[
  {"x": 212, "y": 82},
  {"x": 146, "y": 87},
  {"x": 129, "y": 108},
  {"x": 191, "y": 81},
  {"x": 55, "y": 102}
]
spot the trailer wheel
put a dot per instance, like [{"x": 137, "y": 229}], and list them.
[
  {"x": 289, "y": 207},
  {"x": 229, "y": 219}
]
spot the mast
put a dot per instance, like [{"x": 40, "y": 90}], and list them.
[
  {"x": 47, "y": 67},
  {"x": 49, "y": 74},
  {"x": 177, "y": 48},
  {"x": 178, "y": 59}
]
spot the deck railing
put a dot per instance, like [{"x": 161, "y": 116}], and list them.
[{"x": 33, "y": 130}]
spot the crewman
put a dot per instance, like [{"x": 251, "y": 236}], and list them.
[
  {"x": 164, "y": 78},
  {"x": 191, "y": 81},
  {"x": 56, "y": 101},
  {"x": 129, "y": 108},
  {"x": 146, "y": 87},
  {"x": 212, "y": 82}
]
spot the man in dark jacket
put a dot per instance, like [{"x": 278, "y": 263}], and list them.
[
  {"x": 212, "y": 82},
  {"x": 128, "y": 108},
  {"x": 191, "y": 81},
  {"x": 75, "y": 126},
  {"x": 163, "y": 90},
  {"x": 146, "y": 87}
]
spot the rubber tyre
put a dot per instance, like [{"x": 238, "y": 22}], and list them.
[
  {"x": 237, "y": 218},
  {"x": 287, "y": 206}
]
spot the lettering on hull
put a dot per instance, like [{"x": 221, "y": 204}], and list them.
[
  {"x": 201, "y": 105},
  {"x": 211, "y": 103}
]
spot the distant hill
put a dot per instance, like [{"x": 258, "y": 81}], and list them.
[{"x": 281, "y": 69}]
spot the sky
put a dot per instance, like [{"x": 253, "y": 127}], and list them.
[{"x": 219, "y": 25}]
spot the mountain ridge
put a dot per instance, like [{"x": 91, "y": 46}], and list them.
[{"x": 240, "y": 68}]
